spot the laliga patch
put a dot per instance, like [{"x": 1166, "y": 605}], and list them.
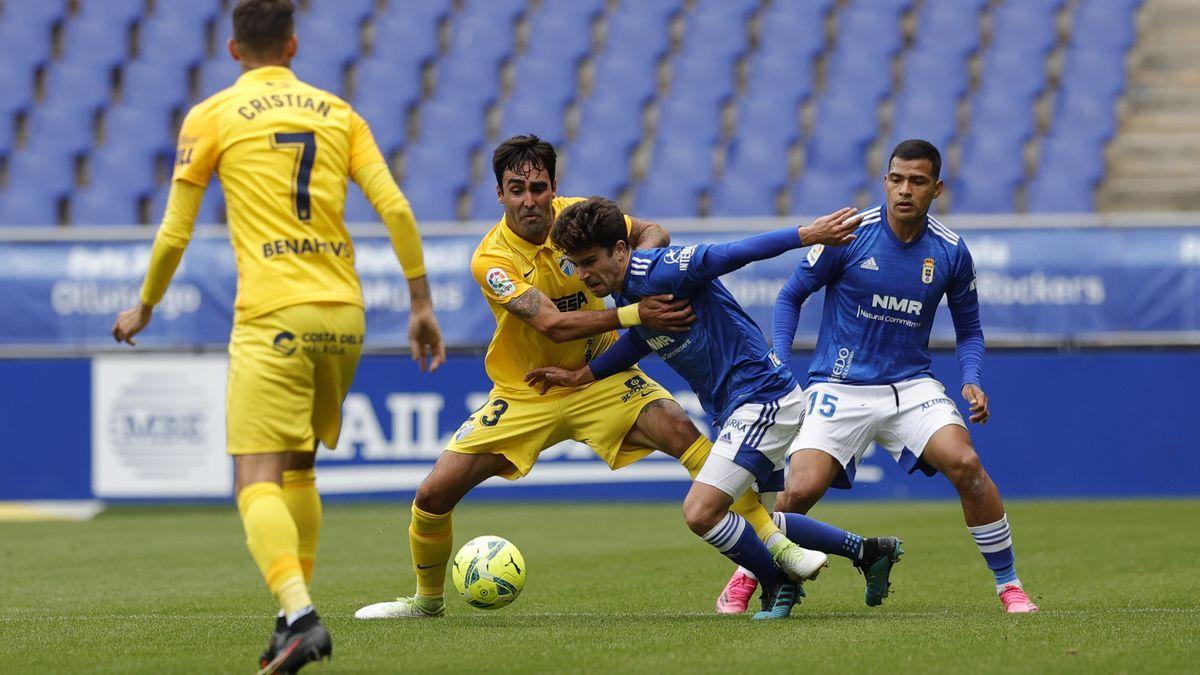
[
  {"x": 814, "y": 253},
  {"x": 927, "y": 271},
  {"x": 498, "y": 281}
]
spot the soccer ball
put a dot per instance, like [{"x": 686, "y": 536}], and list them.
[{"x": 489, "y": 572}]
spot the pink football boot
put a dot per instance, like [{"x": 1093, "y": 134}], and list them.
[
  {"x": 1014, "y": 600},
  {"x": 736, "y": 596}
]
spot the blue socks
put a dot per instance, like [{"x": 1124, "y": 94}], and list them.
[
  {"x": 818, "y": 536},
  {"x": 736, "y": 540},
  {"x": 995, "y": 543}
]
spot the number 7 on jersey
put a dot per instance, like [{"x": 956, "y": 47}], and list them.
[{"x": 306, "y": 143}]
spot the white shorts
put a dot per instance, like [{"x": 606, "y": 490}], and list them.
[
  {"x": 752, "y": 445},
  {"x": 843, "y": 419}
]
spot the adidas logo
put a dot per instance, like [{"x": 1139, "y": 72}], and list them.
[{"x": 870, "y": 264}]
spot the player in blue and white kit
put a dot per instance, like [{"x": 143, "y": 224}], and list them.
[
  {"x": 870, "y": 379},
  {"x": 750, "y": 395}
]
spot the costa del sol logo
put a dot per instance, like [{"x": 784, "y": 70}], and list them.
[{"x": 285, "y": 343}]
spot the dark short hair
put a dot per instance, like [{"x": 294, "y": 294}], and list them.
[
  {"x": 519, "y": 152},
  {"x": 263, "y": 26},
  {"x": 915, "y": 148},
  {"x": 595, "y": 221}
]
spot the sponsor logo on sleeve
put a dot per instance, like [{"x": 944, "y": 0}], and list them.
[
  {"x": 815, "y": 252},
  {"x": 685, "y": 257},
  {"x": 498, "y": 281}
]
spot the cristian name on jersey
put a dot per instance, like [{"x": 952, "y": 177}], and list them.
[
  {"x": 881, "y": 295},
  {"x": 723, "y": 355}
]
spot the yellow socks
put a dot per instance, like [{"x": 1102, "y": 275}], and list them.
[
  {"x": 273, "y": 542},
  {"x": 304, "y": 503},
  {"x": 430, "y": 537},
  {"x": 747, "y": 506}
]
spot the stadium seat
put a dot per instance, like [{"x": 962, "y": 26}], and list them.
[
  {"x": 378, "y": 82},
  {"x": 46, "y": 173},
  {"x": 36, "y": 15},
  {"x": 217, "y": 74},
  {"x": 320, "y": 72},
  {"x": 389, "y": 124},
  {"x": 170, "y": 42},
  {"x": 455, "y": 126},
  {"x": 94, "y": 44},
  {"x": 661, "y": 197},
  {"x": 1097, "y": 71},
  {"x": 836, "y": 154},
  {"x": 779, "y": 38},
  {"x": 1015, "y": 73},
  {"x": 358, "y": 209},
  {"x": 1066, "y": 154},
  {"x": 594, "y": 166},
  {"x": 1113, "y": 19},
  {"x": 482, "y": 37},
  {"x": 1006, "y": 116},
  {"x": 499, "y": 11},
  {"x": 614, "y": 118},
  {"x": 8, "y": 133},
  {"x": 1086, "y": 116},
  {"x": 927, "y": 117},
  {"x": 119, "y": 171},
  {"x": 77, "y": 85},
  {"x": 703, "y": 77},
  {"x": 677, "y": 161},
  {"x": 101, "y": 205},
  {"x": 1051, "y": 193},
  {"x": 22, "y": 49},
  {"x": 862, "y": 74},
  {"x": 62, "y": 128},
  {"x": 779, "y": 79},
  {"x": 764, "y": 161},
  {"x": 348, "y": 11},
  {"x": 575, "y": 8},
  {"x": 949, "y": 29},
  {"x": 985, "y": 153},
  {"x": 984, "y": 191},
  {"x": 617, "y": 73},
  {"x": 637, "y": 33},
  {"x": 775, "y": 121},
  {"x": 334, "y": 40},
  {"x": 112, "y": 12},
  {"x": 819, "y": 193},
  {"x": 852, "y": 120},
  {"x": 138, "y": 130},
  {"x": 407, "y": 41},
  {"x": 483, "y": 200},
  {"x": 17, "y": 85},
  {"x": 691, "y": 122},
  {"x": 743, "y": 194},
  {"x": 27, "y": 209},
  {"x": 716, "y": 35},
  {"x": 468, "y": 80},
  {"x": 530, "y": 115},
  {"x": 192, "y": 13},
  {"x": 431, "y": 198},
  {"x": 552, "y": 81},
  {"x": 151, "y": 87},
  {"x": 931, "y": 74},
  {"x": 1024, "y": 28}
]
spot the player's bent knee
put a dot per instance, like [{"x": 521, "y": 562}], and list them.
[
  {"x": 964, "y": 467},
  {"x": 700, "y": 515},
  {"x": 434, "y": 498}
]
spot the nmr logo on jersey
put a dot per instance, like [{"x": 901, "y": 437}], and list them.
[{"x": 897, "y": 304}]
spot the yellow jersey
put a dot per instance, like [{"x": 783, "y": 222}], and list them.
[
  {"x": 283, "y": 151},
  {"x": 506, "y": 266}
]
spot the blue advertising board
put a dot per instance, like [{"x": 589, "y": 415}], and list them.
[{"x": 1036, "y": 286}]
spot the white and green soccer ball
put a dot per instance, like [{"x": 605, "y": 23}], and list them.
[{"x": 489, "y": 572}]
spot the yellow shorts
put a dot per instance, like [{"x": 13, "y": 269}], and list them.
[
  {"x": 600, "y": 415},
  {"x": 289, "y": 371}
]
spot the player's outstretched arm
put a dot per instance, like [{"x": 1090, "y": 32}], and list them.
[
  {"x": 172, "y": 239},
  {"x": 644, "y": 234},
  {"x": 834, "y": 229},
  {"x": 659, "y": 312},
  {"x": 624, "y": 354}
]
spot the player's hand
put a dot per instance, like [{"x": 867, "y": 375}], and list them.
[
  {"x": 835, "y": 229},
  {"x": 131, "y": 322},
  {"x": 542, "y": 379},
  {"x": 664, "y": 313},
  {"x": 425, "y": 339},
  {"x": 980, "y": 413}
]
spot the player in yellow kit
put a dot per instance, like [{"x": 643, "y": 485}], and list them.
[
  {"x": 284, "y": 151},
  {"x": 545, "y": 316}
]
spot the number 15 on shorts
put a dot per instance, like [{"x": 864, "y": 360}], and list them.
[{"x": 827, "y": 406}]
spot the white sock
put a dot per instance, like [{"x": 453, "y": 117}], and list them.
[{"x": 303, "y": 611}]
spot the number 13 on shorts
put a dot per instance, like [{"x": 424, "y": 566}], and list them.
[{"x": 827, "y": 406}]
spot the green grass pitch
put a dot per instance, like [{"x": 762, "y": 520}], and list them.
[{"x": 611, "y": 588}]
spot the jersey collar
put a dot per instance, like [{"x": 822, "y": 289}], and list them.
[
  {"x": 266, "y": 73},
  {"x": 892, "y": 235}
]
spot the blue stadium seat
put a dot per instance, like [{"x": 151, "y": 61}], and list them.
[
  {"x": 22, "y": 208},
  {"x": 320, "y": 72},
  {"x": 40, "y": 172},
  {"x": 594, "y": 166},
  {"x": 468, "y": 80},
  {"x": 587, "y": 9},
  {"x": 987, "y": 153},
  {"x": 171, "y": 42},
  {"x": 639, "y": 31},
  {"x": 743, "y": 195},
  {"x": 379, "y": 81},
  {"x": 862, "y": 74},
  {"x": 348, "y": 11},
  {"x": 690, "y": 122},
  {"x": 791, "y": 38},
  {"x": 36, "y": 15},
  {"x": 118, "y": 170},
  {"x": 849, "y": 119},
  {"x": 101, "y": 205},
  {"x": 1089, "y": 117},
  {"x": 217, "y": 74},
  {"x": 1054, "y": 193},
  {"x": 880, "y": 22},
  {"x": 1016, "y": 73},
  {"x": 407, "y": 41},
  {"x": 495, "y": 10},
  {"x": 552, "y": 81},
  {"x": 1114, "y": 20},
  {"x": 212, "y": 207},
  {"x": 482, "y": 37},
  {"x": 77, "y": 85},
  {"x": 933, "y": 75},
  {"x": 8, "y": 132},
  {"x": 705, "y": 77},
  {"x": 1066, "y": 154},
  {"x": 193, "y": 13},
  {"x": 112, "y": 12},
  {"x": 776, "y": 122},
  {"x": 927, "y": 117},
  {"x": 22, "y": 49},
  {"x": 530, "y": 115},
  {"x": 840, "y": 155},
  {"x": 1024, "y": 27},
  {"x": 614, "y": 118},
  {"x": 661, "y": 197},
  {"x": 333, "y": 40},
  {"x": 448, "y": 166},
  {"x": 151, "y": 87},
  {"x": 779, "y": 78},
  {"x": 389, "y": 123},
  {"x": 17, "y": 85},
  {"x": 949, "y": 28},
  {"x": 763, "y": 161},
  {"x": 820, "y": 193},
  {"x": 684, "y": 164},
  {"x": 616, "y": 73},
  {"x": 1096, "y": 71},
  {"x": 727, "y": 10},
  {"x": 483, "y": 200},
  {"x": 982, "y": 191},
  {"x": 61, "y": 128},
  {"x": 455, "y": 126},
  {"x": 95, "y": 43},
  {"x": 999, "y": 114},
  {"x": 716, "y": 33},
  {"x": 431, "y": 198},
  {"x": 138, "y": 130}
]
